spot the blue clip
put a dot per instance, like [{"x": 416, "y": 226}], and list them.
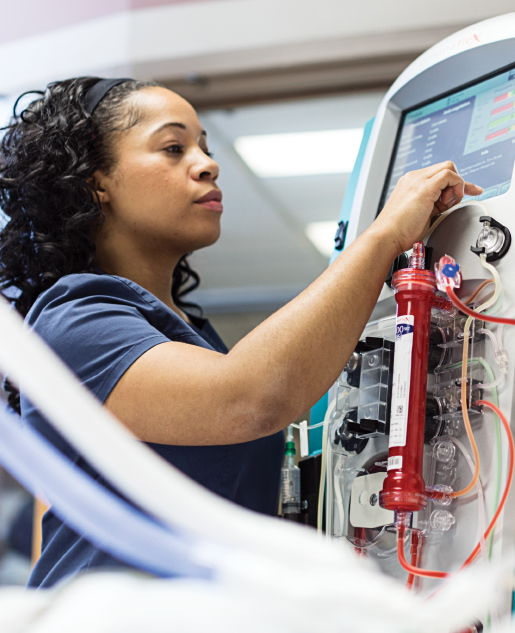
[{"x": 450, "y": 270}]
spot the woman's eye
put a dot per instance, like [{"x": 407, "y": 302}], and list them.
[
  {"x": 208, "y": 153},
  {"x": 175, "y": 149}
]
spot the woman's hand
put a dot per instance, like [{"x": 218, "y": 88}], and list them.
[{"x": 418, "y": 196}]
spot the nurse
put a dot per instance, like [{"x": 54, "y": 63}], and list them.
[{"x": 108, "y": 185}]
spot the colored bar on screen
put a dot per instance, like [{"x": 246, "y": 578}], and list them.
[
  {"x": 504, "y": 96},
  {"x": 504, "y": 119},
  {"x": 506, "y": 106},
  {"x": 498, "y": 133}
]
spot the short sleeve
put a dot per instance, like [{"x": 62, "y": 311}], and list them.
[{"x": 98, "y": 325}]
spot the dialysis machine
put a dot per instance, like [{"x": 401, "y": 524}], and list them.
[{"x": 417, "y": 396}]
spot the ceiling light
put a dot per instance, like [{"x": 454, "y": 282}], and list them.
[
  {"x": 300, "y": 153},
  {"x": 322, "y": 235}
]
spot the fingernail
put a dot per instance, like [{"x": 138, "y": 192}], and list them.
[{"x": 452, "y": 201}]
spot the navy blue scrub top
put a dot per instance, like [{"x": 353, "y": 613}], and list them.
[{"x": 99, "y": 325}]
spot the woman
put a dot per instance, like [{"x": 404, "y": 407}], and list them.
[{"x": 108, "y": 186}]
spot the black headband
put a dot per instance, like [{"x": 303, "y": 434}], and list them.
[{"x": 97, "y": 92}]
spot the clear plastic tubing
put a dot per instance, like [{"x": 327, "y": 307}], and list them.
[{"x": 404, "y": 488}]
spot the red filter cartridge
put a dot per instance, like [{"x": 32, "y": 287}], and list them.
[{"x": 415, "y": 288}]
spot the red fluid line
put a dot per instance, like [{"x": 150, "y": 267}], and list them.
[
  {"x": 476, "y": 315},
  {"x": 416, "y": 571},
  {"x": 416, "y": 544}
]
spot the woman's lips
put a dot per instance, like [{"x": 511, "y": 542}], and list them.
[
  {"x": 212, "y": 205},
  {"x": 212, "y": 201}
]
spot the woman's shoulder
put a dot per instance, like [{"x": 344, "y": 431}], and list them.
[
  {"x": 88, "y": 292},
  {"x": 95, "y": 307}
]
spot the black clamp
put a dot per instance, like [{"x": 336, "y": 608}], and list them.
[
  {"x": 341, "y": 232},
  {"x": 498, "y": 254},
  {"x": 399, "y": 263}
]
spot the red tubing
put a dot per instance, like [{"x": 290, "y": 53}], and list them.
[
  {"x": 426, "y": 573},
  {"x": 359, "y": 533},
  {"x": 404, "y": 488},
  {"x": 472, "y": 313},
  {"x": 415, "y": 554}
]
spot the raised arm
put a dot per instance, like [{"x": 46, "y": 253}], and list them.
[{"x": 182, "y": 394}]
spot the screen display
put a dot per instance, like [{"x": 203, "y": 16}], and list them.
[{"x": 474, "y": 127}]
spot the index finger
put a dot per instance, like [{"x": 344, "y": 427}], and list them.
[{"x": 432, "y": 170}]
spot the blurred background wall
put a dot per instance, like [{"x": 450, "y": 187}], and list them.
[{"x": 251, "y": 68}]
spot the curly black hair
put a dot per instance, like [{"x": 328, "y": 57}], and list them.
[{"x": 48, "y": 152}]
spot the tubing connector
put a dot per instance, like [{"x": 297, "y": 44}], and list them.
[
  {"x": 447, "y": 273},
  {"x": 444, "y": 305},
  {"x": 418, "y": 256},
  {"x": 402, "y": 520},
  {"x": 439, "y": 494},
  {"x": 416, "y": 543}
]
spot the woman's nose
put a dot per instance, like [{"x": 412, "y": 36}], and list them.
[{"x": 206, "y": 168}]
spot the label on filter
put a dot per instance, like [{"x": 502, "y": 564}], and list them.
[
  {"x": 394, "y": 462},
  {"x": 401, "y": 380}
]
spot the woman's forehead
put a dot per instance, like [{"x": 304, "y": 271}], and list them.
[{"x": 158, "y": 105}]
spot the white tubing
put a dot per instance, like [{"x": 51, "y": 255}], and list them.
[
  {"x": 309, "y": 428},
  {"x": 323, "y": 467},
  {"x": 495, "y": 383},
  {"x": 497, "y": 344},
  {"x": 500, "y": 328},
  {"x": 110, "y": 523},
  {"x": 493, "y": 340},
  {"x": 129, "y": 465},
  {"x": 445, "y": 215},
  {"x": 339, "y": 499},
  {"x": 499, "y": 355},
  {"x": 497, "y": 283}
]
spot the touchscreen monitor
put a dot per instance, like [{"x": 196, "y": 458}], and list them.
[{"x": 474, "y": 127}]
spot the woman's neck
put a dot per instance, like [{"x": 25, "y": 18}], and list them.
[{"x": 156, "y": 277}]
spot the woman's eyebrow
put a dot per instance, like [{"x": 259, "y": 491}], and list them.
[{"x": 174, "y": 124}]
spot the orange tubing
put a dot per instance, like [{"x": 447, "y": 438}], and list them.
[
  {"x": 401, "y": 529},
  {"x": 478, "y": 290},
  {"x": 472, "y": 313},
  {"x": 466, "y": 420}
]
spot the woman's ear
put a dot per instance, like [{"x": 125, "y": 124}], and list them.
[{"x": 96, "y": 183}]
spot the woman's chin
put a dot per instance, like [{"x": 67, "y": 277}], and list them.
[{"x": 207, "y": 239}]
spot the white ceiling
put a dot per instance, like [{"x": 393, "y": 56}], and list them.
[{"x": 263, "y": 248}]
